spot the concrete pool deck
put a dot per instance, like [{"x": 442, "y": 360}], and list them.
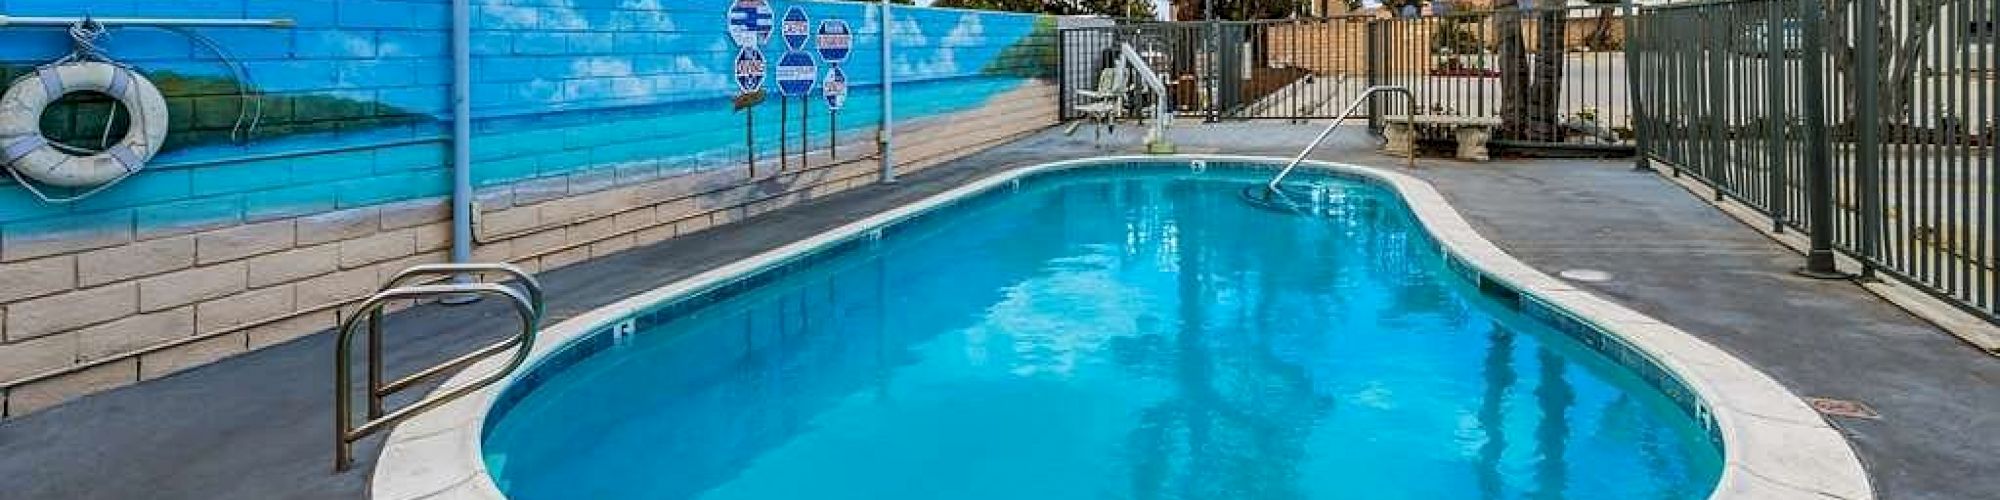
[{"x": 257, "y": 426}]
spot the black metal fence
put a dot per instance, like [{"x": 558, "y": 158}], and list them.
[
  {"x": 1876, "y": 142},
  {"x": 1567, "y": 67}
]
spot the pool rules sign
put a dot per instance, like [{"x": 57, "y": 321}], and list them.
[
  {"x": 749, "y": 24},
  {"x": 835, "y": 41}
]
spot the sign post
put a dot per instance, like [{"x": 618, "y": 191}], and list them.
[
  {"x": 749, "y": 24},
  {"x": 750, "y": 69},
  {"x": 835, "y": 90},
  {"x": 835, "y": 42},
  {"x": 797, "y": 72}
]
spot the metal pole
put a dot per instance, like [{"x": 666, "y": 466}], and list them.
[
  {"x": 750, "y": 138},
  {"x": 805, "y": 130},
  {"x": 1819, "y": 167},
  {"x": 784, "y": 143},
  {"x": 1215, "y": 60},
  {"x": 6, "y": 20},
  {"x": 461, "y": 143},
  {"x": 1868, "y": 142},
  {"x": 884, "y": 137}
]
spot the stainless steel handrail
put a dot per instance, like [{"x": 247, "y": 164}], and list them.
[
  {"x": 378, "y": 390},
  {"x": 1411, "y": 119},
  {"x": 528, "y": 307}
]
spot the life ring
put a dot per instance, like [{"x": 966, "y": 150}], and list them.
[{"x": 24, "y": 148}]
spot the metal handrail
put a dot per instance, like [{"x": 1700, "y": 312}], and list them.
[
  {"x": 378, "y": 390},
  {"x": 1342, "y": 117},
  {"x": 528, "y": 307}
]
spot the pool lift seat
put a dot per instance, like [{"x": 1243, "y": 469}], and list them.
[
  {"x": 1108, "y": 100},
  {"x": 528, "y": 306}
]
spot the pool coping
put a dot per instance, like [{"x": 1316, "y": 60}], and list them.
[{"x": 1774, "y": 445}]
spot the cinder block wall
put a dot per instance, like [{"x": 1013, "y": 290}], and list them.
[{"x": 600, "y": 125}]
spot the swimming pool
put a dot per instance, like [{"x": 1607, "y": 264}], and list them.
[{"x": 1143, "y": 330}]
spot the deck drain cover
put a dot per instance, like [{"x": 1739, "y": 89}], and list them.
[
  {"x": 1586, "y": 275},
  {"x": 1843, "y": 408}
]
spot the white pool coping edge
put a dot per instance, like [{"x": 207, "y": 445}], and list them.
[{"x": 1774, "y": 445}]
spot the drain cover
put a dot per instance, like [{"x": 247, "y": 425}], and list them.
[
  {"x": 1586, "y": 275},
  {"x": 1843, "y": 408}
]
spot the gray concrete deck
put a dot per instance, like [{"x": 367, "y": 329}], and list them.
[{"x": 258, "y": 426}]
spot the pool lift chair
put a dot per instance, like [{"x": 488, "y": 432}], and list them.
[{"x": 1105, "y": 103}]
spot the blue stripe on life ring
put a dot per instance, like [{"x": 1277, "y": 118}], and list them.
[
  {"x": 24, "y": 145},
  {"x": 52, "y": 83},
  {"x": 125, "y": 157},
  {"x": 119, "y": 80}
]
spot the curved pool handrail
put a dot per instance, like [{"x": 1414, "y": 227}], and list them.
[
  {"x": 379, "y": 390},
  {"x": 1342, "y": 117},
  {"x": 345, "y": 430}
]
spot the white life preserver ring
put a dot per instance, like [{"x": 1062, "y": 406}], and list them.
[{"x": 24, "y": 148}]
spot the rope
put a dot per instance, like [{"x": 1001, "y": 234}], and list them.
[{"x": 84, "y": 37}]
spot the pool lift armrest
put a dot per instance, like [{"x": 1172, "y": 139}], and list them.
[{"x": 1156, "y": 137}]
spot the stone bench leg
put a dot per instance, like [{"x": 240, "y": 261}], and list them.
[
  {"x": 1472, "y": 143},
  {"x": 1402, "y": 139}
]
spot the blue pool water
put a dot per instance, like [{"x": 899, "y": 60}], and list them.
[{"x": 1105, "y": 334}]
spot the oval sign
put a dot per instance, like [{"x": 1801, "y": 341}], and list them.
[
  {"x": 797, "y": 28},
  {"x": 835, "y": 88},
  {"x": 835, "y": 40},
  {"x": 750, "y": 69},
  {"x": 798, "y": 72},
  {"x": 750, "y": 22}
]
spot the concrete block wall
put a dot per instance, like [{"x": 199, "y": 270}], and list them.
[{"x": 600, "y": 125}]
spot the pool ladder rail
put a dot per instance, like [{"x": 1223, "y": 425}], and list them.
[
  {"x": 1411, "y": 158},
  {"x": 528, "y": 306}
]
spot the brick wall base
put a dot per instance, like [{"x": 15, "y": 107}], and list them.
[{"x": 101, "y": 316}]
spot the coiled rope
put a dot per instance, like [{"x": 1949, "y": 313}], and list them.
[{"x": 84, "y": 36}]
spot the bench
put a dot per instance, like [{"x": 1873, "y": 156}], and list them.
[{"x": 1471, "y": 132}]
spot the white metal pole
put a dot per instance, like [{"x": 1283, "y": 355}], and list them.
[
  {"x": 6, "y": 20},
  {"x": 888, "y": 128},
  {"x": 461, "y": 141}
]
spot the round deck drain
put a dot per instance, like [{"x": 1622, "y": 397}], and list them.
[{"x": 1586, "y": 275}]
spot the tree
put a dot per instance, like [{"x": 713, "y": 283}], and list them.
[
  {"x": 1899, "y": 57},
  {"x": 1237, "y": 10}
]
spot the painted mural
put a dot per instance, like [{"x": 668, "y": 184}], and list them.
[{"x": 354, "y": 99}]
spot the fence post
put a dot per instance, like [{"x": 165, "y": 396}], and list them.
[
  {"x": 1819, "y": 168},
  {"x": 1063, "y": 74},
  {"x": 1214, "y": 75},
  {"x": 1867, "y": 131},
  {"x": 1635, "y": 89},
  {"x": 1374, "y": 64}
]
